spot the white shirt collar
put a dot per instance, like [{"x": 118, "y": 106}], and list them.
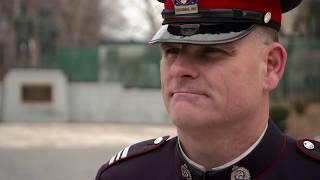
[{"x": 234, "y": 161}]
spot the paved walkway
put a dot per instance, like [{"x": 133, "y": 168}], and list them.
[
  {"x": 65, "y": 151},
  {"x": 70, "y": 135}
]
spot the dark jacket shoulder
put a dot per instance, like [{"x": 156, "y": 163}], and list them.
[
  {"x": 310, "y": 148},
  {"x": 300, "y": 160},
  {"x": 135, "y": 159}
]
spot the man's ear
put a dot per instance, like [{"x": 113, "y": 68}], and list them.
[{"x": 276, "y": 57}]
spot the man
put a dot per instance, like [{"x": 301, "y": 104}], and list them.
[{"x": 220, "y": 60}]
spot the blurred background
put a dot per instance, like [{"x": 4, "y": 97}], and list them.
[{"x": 78, "y": 83}]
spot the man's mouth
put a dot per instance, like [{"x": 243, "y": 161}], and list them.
[{"x": 188, "y": 93}]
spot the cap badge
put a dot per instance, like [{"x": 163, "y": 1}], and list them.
[
  {"x": 185, "y": 172},
  {"x": 183, "y": 1},
  {"x": 240, "y": 173},
  {"x": 185, "y": 6}
]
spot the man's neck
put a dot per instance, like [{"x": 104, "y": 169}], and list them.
[{"x": 215, "y": 147}]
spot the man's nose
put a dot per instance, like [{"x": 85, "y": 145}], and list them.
[{"x": 184, "y": 67}]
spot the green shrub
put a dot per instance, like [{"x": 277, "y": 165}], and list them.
[{"x": 300, "y": 106}]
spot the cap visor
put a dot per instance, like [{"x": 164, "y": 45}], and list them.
[{"x": 163, "y": 35}]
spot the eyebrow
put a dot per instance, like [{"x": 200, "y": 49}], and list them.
[
  {"x": 229, "y": 47},
  {"x": 168, "y": 45},
  {"x": 225, "y": 46}
]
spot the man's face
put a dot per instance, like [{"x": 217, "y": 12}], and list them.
[{"x": 209, "y": 84}]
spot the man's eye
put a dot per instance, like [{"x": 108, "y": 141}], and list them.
[{"x": 171, "y": 53}]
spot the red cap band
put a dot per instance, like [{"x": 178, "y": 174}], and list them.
[{"x": 262, "y": 6}]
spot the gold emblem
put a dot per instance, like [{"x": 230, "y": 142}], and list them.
[
  {"x": 240, "y": 173},
  {"x": 185, "y": 172},
  {"x": 184, "y": 1},
  {"x": 185, "y": 6}
]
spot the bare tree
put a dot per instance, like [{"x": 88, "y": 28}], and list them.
[
  {"x": 149, "y": 12},
  {"x": 79, "y": 21},
  {"x": 7, "y": 38},
  {"x": 151, "y": 17},
  {"x": 152, "y": 13},
  {"x": 306, "y": 22},
  {"x": 113, "y": 19}
]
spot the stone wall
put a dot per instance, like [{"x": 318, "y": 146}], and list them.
[
  {"x": 76, "y": 102},
  {"x": 105, "y": 102}
]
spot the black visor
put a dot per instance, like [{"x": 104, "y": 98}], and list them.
[{"x": 202, "y": 33}]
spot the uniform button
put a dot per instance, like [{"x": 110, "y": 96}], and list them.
[
  {"x": 309, "y": 145},
  {"x": 267, "y": 17},
  {"x": 158, "y": 140}
]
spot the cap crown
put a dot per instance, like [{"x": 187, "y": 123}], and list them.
[
  {"x": 217, "y": 21},
  {"x": 258, "y": 8}
]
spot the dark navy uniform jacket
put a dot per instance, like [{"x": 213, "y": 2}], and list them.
[{"x": 277, "y": 156}]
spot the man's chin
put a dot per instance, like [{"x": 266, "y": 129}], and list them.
[
  {"x": 195, "y": 119},
  {"x": 184, "y": 111},
  {"x": 188, "y": 120},
  {"x": 182, "y": 108}
]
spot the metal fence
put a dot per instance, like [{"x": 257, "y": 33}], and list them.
[
  {"x": 78, "y": 63},
  {"x": 137, "y": 65},
  {"x": 133, "y": 65}
]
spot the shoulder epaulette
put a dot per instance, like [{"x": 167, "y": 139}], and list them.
[
  {"x": 134, "y": 151},
  {"x": 309, "y": 147}
]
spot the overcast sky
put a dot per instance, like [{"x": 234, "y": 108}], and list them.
[{"x": 138, "y": 26}]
